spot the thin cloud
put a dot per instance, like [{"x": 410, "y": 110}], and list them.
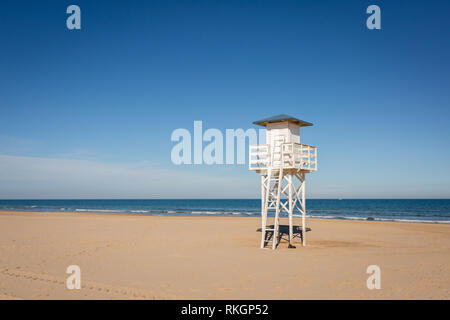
[{"x": 33, "y": 177}]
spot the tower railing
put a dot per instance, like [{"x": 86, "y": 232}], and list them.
[{"x": 293, "y": 156}]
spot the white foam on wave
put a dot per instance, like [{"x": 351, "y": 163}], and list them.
[
  {"x": 223, "y": 213},
  {"x": 375, "y": 219},
  {"x": 97, "y": 210},
  {"x": 238, "y": 213},
  {"x": 414, "y": 220}
]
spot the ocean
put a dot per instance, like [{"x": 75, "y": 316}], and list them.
[{"x": 412, "y": 210}]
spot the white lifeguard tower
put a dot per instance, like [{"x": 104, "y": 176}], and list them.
[{"x": 283, "y": 163}]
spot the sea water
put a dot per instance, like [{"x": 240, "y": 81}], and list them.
[{"x": 414, "y": 210}]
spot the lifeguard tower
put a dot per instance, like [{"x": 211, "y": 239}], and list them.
[{"x": 283, "y": 163}]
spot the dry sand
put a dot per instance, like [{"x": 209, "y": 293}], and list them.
[{"x": 176, "y": 257}]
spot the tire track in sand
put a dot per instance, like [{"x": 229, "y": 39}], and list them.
[{"x": 102, "y": 289}]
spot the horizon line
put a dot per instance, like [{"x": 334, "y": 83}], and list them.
[{"x": 33, "y": 199}]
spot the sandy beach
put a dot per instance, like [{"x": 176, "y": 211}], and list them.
[{"x": 124, "y": 256}]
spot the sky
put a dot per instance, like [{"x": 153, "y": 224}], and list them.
[{"x": 89, "y": 113}]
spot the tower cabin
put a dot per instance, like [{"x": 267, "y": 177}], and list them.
[{"x": 283, "y": 163}]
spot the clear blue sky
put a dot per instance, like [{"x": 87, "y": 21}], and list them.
[{"x": 89, "y": 113}]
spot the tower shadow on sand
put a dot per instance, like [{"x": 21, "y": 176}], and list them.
[{"x": 283, "y": 233}]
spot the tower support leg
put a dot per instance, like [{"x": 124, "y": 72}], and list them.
[
  {"x": 264, "y": 193},
  {"x": 277, "y": 210},
  {"x": 303, "y": 209},
  {"x": 290, "y": 208}
]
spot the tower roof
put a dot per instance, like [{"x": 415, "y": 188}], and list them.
[{"x": 283, "y": 118}]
